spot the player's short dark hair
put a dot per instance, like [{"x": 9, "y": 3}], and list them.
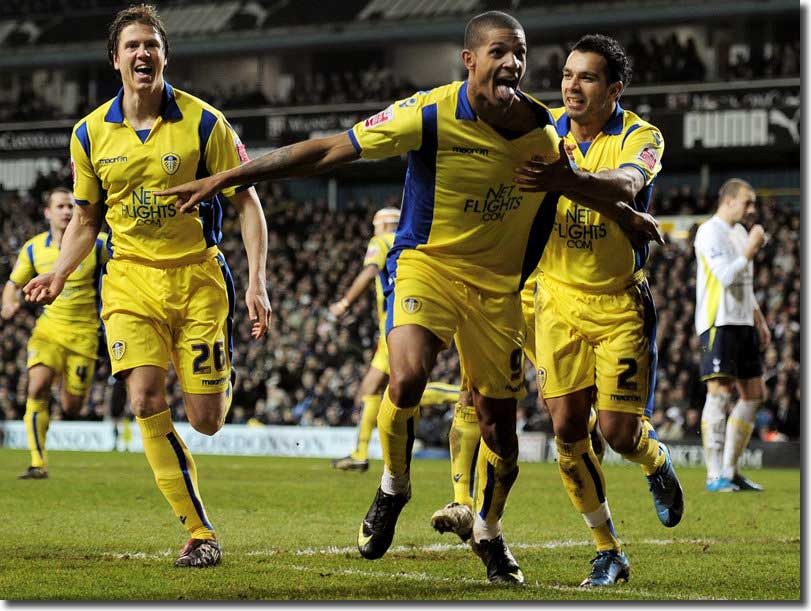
[
  {"x": 491, "y": 20},
  {"x": 46, "y": 197},
  {"x": 142, "y": 13},
  {"x": 617, "y": 63},
  {"x": 731, "y": 188}
]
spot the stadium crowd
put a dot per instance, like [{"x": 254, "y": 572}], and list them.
[
  {"x": 656, "y": 61},
  {"x": 307, "y": 371}
]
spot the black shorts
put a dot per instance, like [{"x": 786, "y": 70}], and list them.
[{"x": 731, "y": 351}]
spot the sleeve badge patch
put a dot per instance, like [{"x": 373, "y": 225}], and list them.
[
  {"x": 649, "y": 157},
  {"x": 384, "y": 116},
  {"x": 242, "y": 152}
]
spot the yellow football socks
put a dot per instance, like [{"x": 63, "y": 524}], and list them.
[
  {"x": 647, "y": 452},
  {"x": 368, "y": 421},
  {"x": 397, "y": 427},
  {"x": 37, "y": 418},
  {"x": 495, "y": 476},
  {"x": 583, "y": 479},
  {"x": 464, "y": 439},
  {"x": 439, "y": 392},
  {"x": 175, "y": 472}
]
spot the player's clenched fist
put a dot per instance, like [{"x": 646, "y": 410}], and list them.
[
  {"x": 756, "y": 239},
  {"x": 757, "y": 236},
  {"x": 44, "y": 288}
]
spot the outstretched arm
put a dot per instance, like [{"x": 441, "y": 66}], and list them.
[
  {"x": 296, "y": 160},
  {"x": 255, "y": 237},
  {"x": 11, "y": 300},
  {"x": 359, "y": 284},
  {"x": 77, "y": 242}
]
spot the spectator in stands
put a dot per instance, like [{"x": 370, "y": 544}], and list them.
[{"x": 281, "y": 358}]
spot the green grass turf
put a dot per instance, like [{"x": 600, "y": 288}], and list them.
[{"x": 99, "y": 529}]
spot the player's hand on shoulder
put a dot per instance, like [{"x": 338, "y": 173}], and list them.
[
  {"x": 644, "y": 228},
  {"x": 188, "y": 196},
  {"x": 44, "y": 288},
  {"x": 547, "y": 175},
  {"x": 259, "y": 310}
]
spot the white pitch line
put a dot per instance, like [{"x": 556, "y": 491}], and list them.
[
  {"x": 444, "y": 547},
  {"x": 425, "y": 577},
  {"x": 434, "y": 548}
]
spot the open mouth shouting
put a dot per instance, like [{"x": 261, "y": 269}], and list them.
[
  {"x": 504, "y": 87},
  {"x": 144, "y": 73}
]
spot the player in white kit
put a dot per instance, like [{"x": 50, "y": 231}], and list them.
[{"x": 732, "y": 330}]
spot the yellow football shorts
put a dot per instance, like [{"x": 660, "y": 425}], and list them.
[
  {"x": 607, "y": 340},
  {"x": 380, "y": 360},
  {"x": 68, "y": 350},
  {"x": 185, "y": 313},
  {"x": 488, "y": 328}
]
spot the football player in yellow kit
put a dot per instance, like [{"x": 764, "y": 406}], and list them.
[
  {"x": 167, "y": 292},
  {"x": 590, "y": 318},
  {"x": 64, "y": 342},
  {"x": 466, "y": 242},
  {"x": 595, "y": 318},
  {"x": 374, "y": 382}
]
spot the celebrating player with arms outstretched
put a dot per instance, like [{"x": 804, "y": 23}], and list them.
[
  {"x": 466, "y": 242},
  {"x": 167, "y": 291},
  {"x": 65, "y": 339}
]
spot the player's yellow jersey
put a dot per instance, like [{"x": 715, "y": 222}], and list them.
[
  {"x": 460, "y": 204},
  {"x": 113, "y": 165},
  {"x": 376, "y": 253},
  {"x": 586, "y": 250},
  {"x": 78, "y": 303}
]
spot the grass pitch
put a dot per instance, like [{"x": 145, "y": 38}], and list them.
[{"x": 99, "y": 529}]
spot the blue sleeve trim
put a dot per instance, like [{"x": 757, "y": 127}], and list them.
[
  {"x": 638, "y": 167},
  {"x": 207, "y": 122},
  {"x": 631, "y": 130},
  {"x": 82, "y": 202},
  {"x": 354, "y": 140},
  {"x": 30, "y": 252},
  {"x": 419, "y": 191},
  {"x": 243, "y": 188},
  {"x": 84, "y": 139}
]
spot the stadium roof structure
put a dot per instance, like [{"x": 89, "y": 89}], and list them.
[{"x": 49, "y": 32}]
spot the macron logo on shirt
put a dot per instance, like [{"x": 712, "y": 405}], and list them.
[{"x": 471, "y": 150}]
